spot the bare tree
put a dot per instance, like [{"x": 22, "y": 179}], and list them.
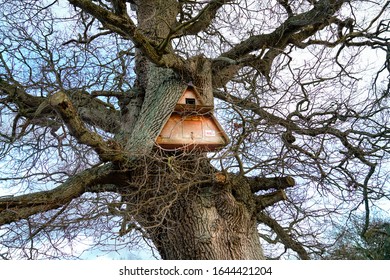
[
  {"x": 374, "y": 245},
  {"x": 87, "y": 85}
]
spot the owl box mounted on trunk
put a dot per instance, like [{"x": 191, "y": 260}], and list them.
[{"x": 192, "y": 126}]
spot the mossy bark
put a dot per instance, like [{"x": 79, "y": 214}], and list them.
[
  {"x": 208, "y": 223},
  {"x": 183, "y": 211}
]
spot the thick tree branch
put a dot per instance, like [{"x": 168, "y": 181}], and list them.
[
  {"x": 95, "y": 112},
  {"x": 261, "y": 183},
  {"x": 119, "y": 7},
  {"x": 283, "y": 235},
  {"x": 156, "y": 109},
  {"x": 91, "y": 110},
  {"x": 200, "y": 22},
  {"x": 266, "y": 200},
  {"x": 194, "y": 25},
  {"x": 305, "y": 24},
  {"x": 272, "y": 119},
  {"x": 107, "y": 150},
  {"x": 318, "y": 15},
  {"x": 25, "y": 102},
  {"x": 20, "y": 207},
  {"x": 125, "y": 27}
]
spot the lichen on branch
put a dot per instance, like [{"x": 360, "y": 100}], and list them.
[{"x": 106, "y": 150}]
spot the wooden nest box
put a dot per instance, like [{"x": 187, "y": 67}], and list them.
[{"x": 192, "y": 125}]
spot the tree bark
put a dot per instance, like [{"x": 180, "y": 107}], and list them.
[
  {"x": 177, "y": 199},
  {"x": 208, "y": 224},
  {"x": 186, "y": 213},
  {"x": 190, "y": 213}
]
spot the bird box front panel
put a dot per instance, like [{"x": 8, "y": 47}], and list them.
[
  {"x": 191, "y": 101},
  {"x": 190, "y": 97},
  {"x": 192, "y": 128},
  {"x": 191, "y": 131}
]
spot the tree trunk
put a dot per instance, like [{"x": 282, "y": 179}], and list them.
[
  {"x": 190, "y": 211},
  {"x": 174, "y": 197},
  {"x": 208, "y": 223}
]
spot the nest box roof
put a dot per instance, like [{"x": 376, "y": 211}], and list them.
[{"x": 191, "y": 100}]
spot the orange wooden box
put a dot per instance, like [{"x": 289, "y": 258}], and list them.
[{"x": 192, "y": 126}]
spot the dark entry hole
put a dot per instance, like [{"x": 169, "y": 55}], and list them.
[{"x": 190, "y": 101}]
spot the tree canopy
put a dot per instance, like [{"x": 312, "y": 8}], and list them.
[
  {"x": 300, "y": 86},
  {"x": 351, "y": 245}
]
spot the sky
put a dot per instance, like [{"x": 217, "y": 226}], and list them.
[{"x": 136, "y": 254}]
